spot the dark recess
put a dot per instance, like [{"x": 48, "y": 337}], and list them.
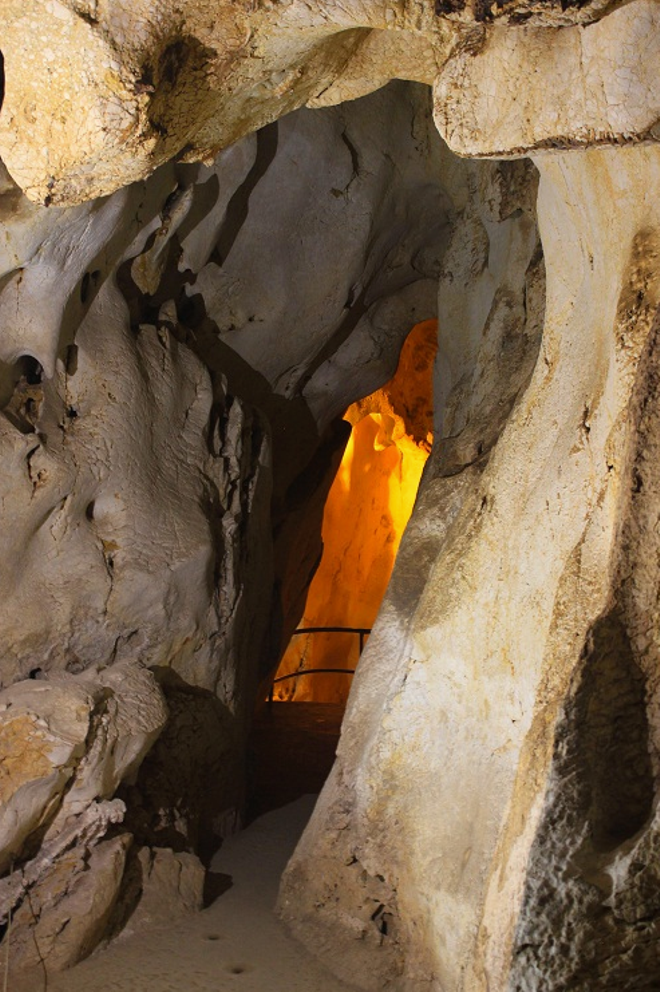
[
  {"x": 614, "y": 738},
  {"x": 30, "y": 369}
]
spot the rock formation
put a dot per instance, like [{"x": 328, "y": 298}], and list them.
[
  {"x": 193, "y": 286},
  {"x": 164, "y": 474}
]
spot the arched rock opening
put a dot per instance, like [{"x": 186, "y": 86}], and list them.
[
  {"x": 292, "y": 748},
  {"x": 367, "y": 510}
]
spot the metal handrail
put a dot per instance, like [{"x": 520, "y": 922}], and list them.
[
  {"x": 335, "y": 630},
  {"x": 361, "y": 631},
  {"x": 313, "y": 671}
]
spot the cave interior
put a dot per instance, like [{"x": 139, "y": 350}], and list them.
[{"x": 328, "y": 423}]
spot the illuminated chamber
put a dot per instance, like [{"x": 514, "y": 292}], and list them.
[{"x": 367, "y": 510}]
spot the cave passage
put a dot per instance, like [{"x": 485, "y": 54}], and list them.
[
  {"x": 366, "y": 513},
  {"x": 368, "y": 507}
]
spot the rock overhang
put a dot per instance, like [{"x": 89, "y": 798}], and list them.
[{"x": 97, "y": 95}]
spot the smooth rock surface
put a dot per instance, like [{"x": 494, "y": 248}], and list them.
[{"x": 452, "y": 806}]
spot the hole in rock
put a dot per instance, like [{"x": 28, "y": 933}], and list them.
[
  {"x": 71, "y": 359},
  {"x": 88, "y": 285},
  {"x": 30, "y": 369},
  {"x": 21, "y": 393},
  {"x": 2, "y": 79},
  {"x": 84, "y": 288},
  {"x": 368, "y": 507}
]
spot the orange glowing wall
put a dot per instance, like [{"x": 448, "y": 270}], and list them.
[{"x": 367, "y": 510}]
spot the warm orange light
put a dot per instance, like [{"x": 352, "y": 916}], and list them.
[{"x": 368, "y": 507}]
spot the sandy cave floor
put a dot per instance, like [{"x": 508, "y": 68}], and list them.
[{"x": 236, "y": 944}]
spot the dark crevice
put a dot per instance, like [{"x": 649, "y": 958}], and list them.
[
  {"x": 89, "y": 285},
  {"x": 71, "y": 360},
  {"x": 30, "y": 370},
  {"x": 575, "y": 925},
  {"x": 483, "y": 10},
  {"x": 239, "y": 204},
  {"x": 215, "y": 512},
  {"x": 84, "y": 288},
  {"x": 2, "y": 79},
  {"x": 353, "y": 152},
  {"x": 613, "y": 735},
  {"x": 22, "y": 393},
  {"x": 443, "y": 7}
]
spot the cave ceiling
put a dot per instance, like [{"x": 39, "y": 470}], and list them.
[{"x": 98, "y": 94}]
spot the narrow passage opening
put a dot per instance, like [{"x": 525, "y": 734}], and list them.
[{"x": 366, "y": 513}]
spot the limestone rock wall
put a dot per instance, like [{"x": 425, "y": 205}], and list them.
[
  {"x": 170, "y": 375},
  {"x": 370, "y": 846},
  {"x": 490, "y": 821}
]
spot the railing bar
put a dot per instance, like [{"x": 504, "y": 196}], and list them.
[
  {"x": 314, "y": 671},
  {"x": 332, "y": 630},
  {"x": 360, "y": 631}
]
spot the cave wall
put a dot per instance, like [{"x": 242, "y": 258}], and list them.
[
  {"x": 171, "y": 376},
  {"x": 170, "y": 380},
  {"x": 400, "y": 799},
  {"x": 490, "y": 820}
]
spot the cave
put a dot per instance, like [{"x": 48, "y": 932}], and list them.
[{"x": 255, "y": 258}]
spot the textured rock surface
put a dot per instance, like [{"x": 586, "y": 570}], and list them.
[
  {"x": 171, "y": 363},
  {"x": 44, "y": 729},
  {"x": 67, "y": 744},
  {"x": 172, "y": 885},
  {"x": 518, "y": 625},
  {"x": 131, "y": 85},
  {"x": 580, "y": 86},
  {"x": 137, "y": 423},
  {"x": 169, "y": 383},
  {"x": 393, "y": 755}
]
